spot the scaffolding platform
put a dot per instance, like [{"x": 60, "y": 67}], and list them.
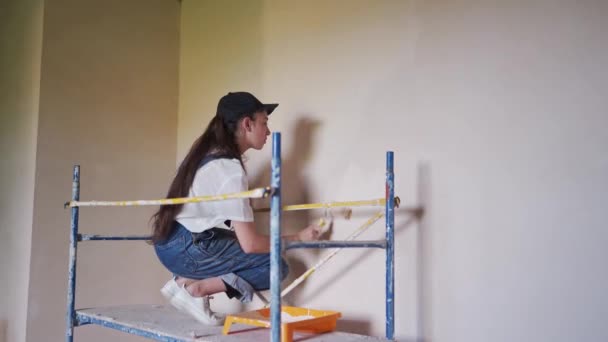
[{"x": 165, "y": 323}]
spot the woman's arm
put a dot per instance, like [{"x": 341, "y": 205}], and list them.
[{"x": 252, "y": 242}]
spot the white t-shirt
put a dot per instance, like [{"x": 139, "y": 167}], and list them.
[{"x": 217, "y": 177}]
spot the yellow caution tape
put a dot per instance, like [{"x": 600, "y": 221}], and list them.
[{"x": 255, "y": 193}]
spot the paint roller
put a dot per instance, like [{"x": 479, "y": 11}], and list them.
[{"x": 326, "y": 221}]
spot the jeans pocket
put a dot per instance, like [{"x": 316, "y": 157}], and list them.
[
  {"x": 203, "y": 237},
  {"x": 214, "y": 242}
]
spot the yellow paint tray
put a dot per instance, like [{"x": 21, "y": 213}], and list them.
[{"x": 292, "y": 319}]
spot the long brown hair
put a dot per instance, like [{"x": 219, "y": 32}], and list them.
[{"x": 219, "y": 138}]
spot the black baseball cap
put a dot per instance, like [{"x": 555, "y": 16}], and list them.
[{"x": 235, "y": 105}]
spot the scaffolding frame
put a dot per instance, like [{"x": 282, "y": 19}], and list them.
[{"x": 74, "y": 318}]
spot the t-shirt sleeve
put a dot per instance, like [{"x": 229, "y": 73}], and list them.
[{"x": 236, "y": 209}]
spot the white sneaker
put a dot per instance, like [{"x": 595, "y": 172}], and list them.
[
  {"x": 170, "y": 289},
  {"x": 198, "y": 307}
]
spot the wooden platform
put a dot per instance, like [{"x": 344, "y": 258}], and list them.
[{"x": 164, "y": 323}]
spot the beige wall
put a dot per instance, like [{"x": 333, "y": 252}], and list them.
[
  {"x": 20, "y": 50},
  {"x": 108, "y": 102},
  {"x": 208, "y": 64},
  {"x": 497, "y": 114}
]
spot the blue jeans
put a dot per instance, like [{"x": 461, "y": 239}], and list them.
[{"x": 216, "y": 253}]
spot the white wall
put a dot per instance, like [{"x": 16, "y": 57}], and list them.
[
  {"x": 108, "y": 102},
  {"x": 497, "y": 114},
  {"x": 20, "y": 53}
]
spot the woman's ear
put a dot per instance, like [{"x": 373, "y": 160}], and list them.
[{"x": 247, "y": 124}]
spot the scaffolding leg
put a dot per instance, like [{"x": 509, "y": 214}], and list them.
[
  {"x": 390, "y": 251},
  {"x": 71, "y": 314},
  {"x": 275, "y": 240}
]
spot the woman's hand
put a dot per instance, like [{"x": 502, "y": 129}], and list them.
[{"x": 310, "y": 233}]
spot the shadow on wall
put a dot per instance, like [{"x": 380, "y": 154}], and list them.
[
  {"x": 423, "y": 256},
  {"x": 294, "y": 191},
  {"x": 415, "y": 214},
  {"x": 3, "y": 325},
  {"x": 362, "y": 256},
  {"x": 424, "y": 252}
]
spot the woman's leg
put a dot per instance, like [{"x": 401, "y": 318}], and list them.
[
  {"x": 224, "y": 258},
  {"x": 214, "y": 262},
  {"x": 201, "y": 288},
  {"x": 259, "y": 275},
  {"x": 186, "y": 291}
]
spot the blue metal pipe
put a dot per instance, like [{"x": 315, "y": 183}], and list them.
[
  {"x": 336, "y": 244},
  {"x": 390, "y": 247},
  {"x": 275, "y": 240},
  {"x": 93, "y": 237},
  {"x": 69, "y": 334}
]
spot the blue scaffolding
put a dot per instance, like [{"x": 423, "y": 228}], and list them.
[{"x": 82, "y": 317}]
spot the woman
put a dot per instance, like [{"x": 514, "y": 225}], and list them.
[{"x": 213, "y": 247}]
